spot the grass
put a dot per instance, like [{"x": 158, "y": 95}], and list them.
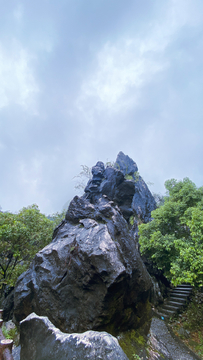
[
  {"x": 12, "y": 334},
  {"x": 188, "y": 326}
]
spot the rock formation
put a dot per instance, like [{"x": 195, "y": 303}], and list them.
[
  {"x": 91, "y": 276},
  {"x": 143, "y": 202},
  {"x": 41, "y": 340}
]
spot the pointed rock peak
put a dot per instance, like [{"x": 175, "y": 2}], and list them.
[{"x": 125, "y": 164}]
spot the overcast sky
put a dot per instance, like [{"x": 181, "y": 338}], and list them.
[{"x": 82, "y": 80}]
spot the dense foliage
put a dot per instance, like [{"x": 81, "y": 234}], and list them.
[
  {"x": 174, "y": 238},
  {"x": 22, "y": 235}
]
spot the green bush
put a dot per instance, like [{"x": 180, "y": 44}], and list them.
[
  {"x": 12, "y": 334},
  {"x": 195, "y": 313},
  {"x": 174, "y": 238},
  {"x": 21, "y": 236}
]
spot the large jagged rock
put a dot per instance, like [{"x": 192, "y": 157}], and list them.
[
  {"x": 91, "y": 276},
  {"x": 143, "y": 202},
  {"x": 123, "y": 185},
  {"x": 126, "y": 164},
  {"x": 41, "y": 340}
]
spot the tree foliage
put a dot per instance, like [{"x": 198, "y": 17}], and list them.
[
  {"x": 21, "y": 236},
  {"x": 174, "y": 238}
]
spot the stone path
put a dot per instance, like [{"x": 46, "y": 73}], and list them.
[{"x": 163, "y": 341}]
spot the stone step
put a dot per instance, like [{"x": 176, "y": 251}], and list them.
[
  {"x": 181, "y": 289},
  {"x": 174, "y": 303},
  {"x": 184, "y": 292},
  {"x": 176, "y": 300},
  {"x": 186, "y": 287},
  {"x": 164, "y": 316},
  {"x": 166, "y": 311},
  {"x": 180, "y": 294},
  {"x": 177, "y": 296},
  {"x": 170, "y": 307},
  {"x": 163, "y": 312}
]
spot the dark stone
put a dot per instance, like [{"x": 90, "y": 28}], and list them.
[
  {"x": 41, "y": 340},
  {"x": 126, "y": 164},
  {"x": 98, "y": 170},
  {"x": 94, "y": 184},
  {"x": 90, "y": 277},
  {"x": 80, "y": 208},
  {"x": 113, "y": 178},
  {"x": 163, "y": 285},
  {"x": 116, "y": 188},
  {"x": 123, "y": 185},
  {"x": 7, "y": 305},
  {"x": 143, "y": 201},
  {"x": 156, "y": 297},
  {"x": 123, "y": 197}
]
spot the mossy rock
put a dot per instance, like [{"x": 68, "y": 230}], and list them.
[{"x": 133, "y": 343}]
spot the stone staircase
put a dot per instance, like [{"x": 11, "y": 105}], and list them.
[{"x": 177, "y": 299}]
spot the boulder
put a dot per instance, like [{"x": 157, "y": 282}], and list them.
[
  {"x": 40, "y": 339},
  {"x": 90, "y": 277}
]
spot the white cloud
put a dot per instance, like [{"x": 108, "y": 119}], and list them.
[
  {"x": 123, "y": 68},
  {"x": 17, "y": 82}
]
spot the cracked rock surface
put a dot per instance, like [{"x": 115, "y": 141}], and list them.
[
  {"x": 41, "y": 340},
  {"x": 90, "y": 276}
]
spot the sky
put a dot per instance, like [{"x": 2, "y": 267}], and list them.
[{"x": 82, "y": 80}]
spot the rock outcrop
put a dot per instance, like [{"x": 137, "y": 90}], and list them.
[
  {"x": 41, "y": 340},
  {"x": 91, "y": 276},
  {"x": 143, "y": 202}
]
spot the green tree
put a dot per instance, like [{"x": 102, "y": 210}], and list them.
[
  {"x": 174, "y": 238},
  {"x": 21, "y": 236}
]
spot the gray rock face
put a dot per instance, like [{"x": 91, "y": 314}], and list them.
[
  {"x": 41, "y": 340},
  {"x": 143, "y": 202},
  {"x": 123, "y": 185},
  {"x": 90, "y": 277},
  {"x": 126, "y": 164}
]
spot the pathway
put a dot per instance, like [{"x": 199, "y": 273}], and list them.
[{"x": 163, "y": 341}]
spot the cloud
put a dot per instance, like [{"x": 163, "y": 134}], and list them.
[
  {"x": 80, "y": 81},
  {"x": 124, "y": 67},
  {"x": 17, "y": 81}
]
